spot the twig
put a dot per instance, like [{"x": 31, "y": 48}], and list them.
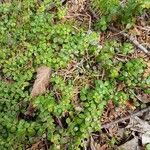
[
  {"x": 139, "y": 113},
  {"x": 90, "y": 20},
  {"x": 131, "y": 39},
  {"x": 59, "y": 122}
]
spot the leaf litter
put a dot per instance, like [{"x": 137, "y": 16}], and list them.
[{"x": 41, "y": 82}]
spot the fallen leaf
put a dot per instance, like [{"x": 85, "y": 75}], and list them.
[
  {"x": 142, "y": 127},
  {"x": 41, "y": 82},
  {"x": 130, "y": 145},
  {"x": 139, "y": 125}
]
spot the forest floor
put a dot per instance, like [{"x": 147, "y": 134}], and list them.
[
  {"x": 124, "y": 127},
  {"x": 74, "y": 83}
]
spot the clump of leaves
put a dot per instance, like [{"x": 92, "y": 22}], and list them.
[{"x": 132, "y": 71}]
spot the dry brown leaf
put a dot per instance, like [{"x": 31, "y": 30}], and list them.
[{"x": 41, "y": 82}]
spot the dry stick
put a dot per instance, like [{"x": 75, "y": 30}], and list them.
[
  {"x": 59, "y": 122},
  {"x": 131, "y": 39},
  {"x": 139, "y": 113}
]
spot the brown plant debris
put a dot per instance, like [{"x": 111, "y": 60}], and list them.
[
  {"x": 95, "y": 146},
  {"x": 139, "y": 113},
  {"x": 130, "y": 145},
  {"x": 142, "y": 127},
  {"x": 41, "y": 82}
]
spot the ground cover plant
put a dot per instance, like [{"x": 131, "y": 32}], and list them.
[
  {"x": 124, "y": 12},
  {"x": 56, "y": 78}
]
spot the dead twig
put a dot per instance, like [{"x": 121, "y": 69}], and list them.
[
  {"x": 59, "y": 122},
  {"x": 139, "y": 113},
  {"x": 131, "y": 39}
]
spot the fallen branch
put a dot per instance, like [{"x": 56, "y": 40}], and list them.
[
  {"x": 139, "y": 113},
  {"x": 131, "y": 39}
]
